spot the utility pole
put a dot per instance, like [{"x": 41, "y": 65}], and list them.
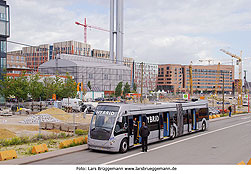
[
  {"x": 191, "y": 79},
  {"x": 245, "y": 81},
  {"x": 223, "y": 99},
  {"x": 142, "y": 71}
]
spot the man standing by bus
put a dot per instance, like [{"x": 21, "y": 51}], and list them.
[
  {"x": 144, "y": 132},
  {"x": 135, "y": 130}
]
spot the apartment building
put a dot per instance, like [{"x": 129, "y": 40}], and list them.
[
  {"x": 36, "y": 55},
  {"x": 15, "y": 59},
  {"x": 71, "y": 47},
  {"x": 205, "y": 78},
  {"x": 100, "y": 53}
]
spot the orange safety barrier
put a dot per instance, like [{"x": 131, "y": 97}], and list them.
[
  {"x": 41, "y": 148},
  {"x": 7, "y": 155}
]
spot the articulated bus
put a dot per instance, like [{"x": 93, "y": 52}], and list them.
[{"x": 112, "y": 125}]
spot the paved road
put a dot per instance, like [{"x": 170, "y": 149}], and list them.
[{"x": 227, "y": 141}]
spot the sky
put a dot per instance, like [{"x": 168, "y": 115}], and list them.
[{"x": 155, "y": 31}]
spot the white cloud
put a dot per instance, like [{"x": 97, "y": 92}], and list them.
[{"x": 161, "y": 31}]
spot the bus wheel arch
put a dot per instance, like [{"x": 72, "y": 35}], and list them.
[
  {"x": 123, "y": 146},
  {"x": 203, "y": 126},
  {"x": 174, "y": 133}
]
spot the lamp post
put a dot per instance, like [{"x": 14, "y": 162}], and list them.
[{"x": 223, "y": 97}]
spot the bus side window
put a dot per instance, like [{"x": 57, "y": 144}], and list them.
[
  {"x": 121, "y": 126},
  {"x": 161, "y": 120},
  {"x": 185, "y": 114}
]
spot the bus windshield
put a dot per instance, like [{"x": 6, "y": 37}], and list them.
[{"x": 103, "y": 121}]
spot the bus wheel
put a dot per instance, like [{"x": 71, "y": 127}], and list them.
[
  {"x": 203, "y": 126},
  {"x": 123, "y": 146},
  {"x": 174, "y": 133}
]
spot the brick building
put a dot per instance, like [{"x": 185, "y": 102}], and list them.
[{"x": 175, "y": 78}]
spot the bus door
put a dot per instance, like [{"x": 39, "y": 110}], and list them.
[
  {"x": 190, "y": 120},
  {"x": 185, "y": 121},
  {"x": 142, "y": 118},
  {"x": 166, "y": 123},
  {"x": 130, "y": 131},
  {"x": 180, "y": 119},
  {"x": 161, "y": 126},
  {"x": 194, "y": 124}
]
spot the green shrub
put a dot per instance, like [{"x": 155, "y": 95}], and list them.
[
  {"x": 15, "y": 141},
  {"x": 62, "y": 135},
  {"x": 79, "y": 132}
]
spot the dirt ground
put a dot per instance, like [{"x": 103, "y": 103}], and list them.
[{"x": 13, "y": 125}]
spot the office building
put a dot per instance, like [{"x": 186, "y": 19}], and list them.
[
  {"x": 4, "y": 34},
  {"x": 205, "y": 78}
]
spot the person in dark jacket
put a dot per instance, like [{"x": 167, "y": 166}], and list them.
[
  {"x": 144, "y": 133},
  {"x": 135, "y": 130},
  {"x": 230, "y": 110}
]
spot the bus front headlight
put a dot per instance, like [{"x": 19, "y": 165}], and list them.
[{"x": 113, "y": 141}]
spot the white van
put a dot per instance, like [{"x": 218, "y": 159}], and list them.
[{"x": 72, "y": 102}]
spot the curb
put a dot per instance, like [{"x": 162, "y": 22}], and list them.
[
  {"x": 43, "y": 156},
  {"x": 227, "y": 117}
]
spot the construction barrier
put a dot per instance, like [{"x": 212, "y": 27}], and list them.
[
  {"x": 41, "y": 148},
  {"x": 65, "y": 143},
  {"x": 243, "y": 163},
  {"x": 7, "y": 155}
]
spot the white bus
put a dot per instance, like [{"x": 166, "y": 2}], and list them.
[{"x": 112, "y": 129}]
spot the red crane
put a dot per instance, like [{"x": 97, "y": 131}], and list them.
[{"x": 89, "y": 26}]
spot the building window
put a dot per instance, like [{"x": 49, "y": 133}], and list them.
[
  {"x": 3, "y": 46},
  {"x": 90, "y": 76},
  {"x": 106, "y": 76}
]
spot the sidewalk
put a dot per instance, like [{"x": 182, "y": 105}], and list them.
[
  {"x": 46, "y": 155},
  {"x": 227, "y": 117}
]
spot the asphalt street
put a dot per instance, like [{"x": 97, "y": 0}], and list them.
[{"x": 227, "y": 141}]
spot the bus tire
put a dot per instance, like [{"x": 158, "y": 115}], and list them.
[
  {"x": 123, "y": 146},
  {"x": 203, "y": 127},
  {"x": 174, "y": 133}
]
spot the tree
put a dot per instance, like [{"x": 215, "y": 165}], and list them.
[
  {"x": 6, "y": 87},
  {"x": 36, "y": 88},
  {"x": 58, "y": 87},
  {"x": 126, "y": 89},
  {"x": 89, "y": 85},
  {"x": 118, "y": 89},
  {"x": 70, "y": 87},
  {"x": 21, "y": 87},
  {"x": 134, "y": 88},
  {"x": 48, "y": 87}
]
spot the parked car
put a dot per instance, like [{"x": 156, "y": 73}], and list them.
[
  {"x": 213, "y": 111},
  {"x": 17, "y": 108},
  {"x": 99, "y": 99},
  {"x": 50, "y": 102},
  {"x": 90, "y": 108}
]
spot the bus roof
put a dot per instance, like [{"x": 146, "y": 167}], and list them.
[{"x": 160, "y": 107}]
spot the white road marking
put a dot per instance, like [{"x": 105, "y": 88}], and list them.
[{"x": 156, "y": 148}]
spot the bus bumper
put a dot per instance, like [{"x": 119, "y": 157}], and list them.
[{"x": 103, "y": 145}]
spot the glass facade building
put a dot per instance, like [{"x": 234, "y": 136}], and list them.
[{"x": 4, "y": 34}]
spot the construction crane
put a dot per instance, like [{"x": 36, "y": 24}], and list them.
[
  {"x": 239, "y": 62},
  {"x": 191, "y": 78},
  {"x": 89, "y": 26}
]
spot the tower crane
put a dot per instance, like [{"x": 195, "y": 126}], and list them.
[
  {"x": 239, "y": 62},
  {"x": 85, "y": 25}
]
